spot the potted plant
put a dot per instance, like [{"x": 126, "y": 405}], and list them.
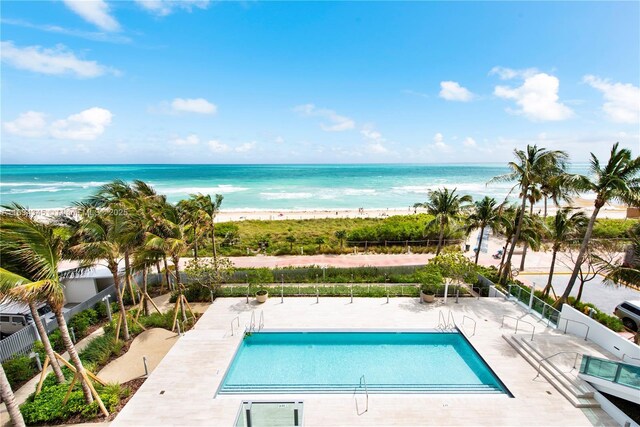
[
  {"x": 428, "y": 293},
  {"x": 261, "y": 295}
]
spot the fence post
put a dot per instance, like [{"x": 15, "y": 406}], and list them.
[
  {"x": 531, "y": 296},
  {"x": 73, "y": 335},
  {"x": 106, "y": 301},
  {"x": 36, "y": 334},
  {"x": 38, "y": 362}
]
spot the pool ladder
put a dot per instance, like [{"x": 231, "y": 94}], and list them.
[
  {"x": 363, "y": 381},
  {"x": 252, "y": 322},
  {"x": 450, "y": 322}
]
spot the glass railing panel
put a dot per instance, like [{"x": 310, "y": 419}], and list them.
[
  {"x": 602, "y": 369},
  {"x": 629, "y": 376}
]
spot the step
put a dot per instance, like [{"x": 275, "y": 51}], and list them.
[
  {"x": 553, "y": 370},
  {"x": 546, "y": 373},
  {"x": 583, "y": 389}
]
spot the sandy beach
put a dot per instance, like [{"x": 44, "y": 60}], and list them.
[{"x": 608, "y": 211}]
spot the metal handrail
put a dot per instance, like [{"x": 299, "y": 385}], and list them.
[
  {"x": 261, "y": 322},
  {"x": 366, "y": 391},
  {"x": 235, "y": 318},
  {"x": 518, "y": 320},
  {"x": 252, "y": 322},
  {"x": 474, "y": 323},
  {"x": 629, "y": 357},
  {"x": 576, "y": 321},
  {"x": 575, "y": 361},
  {"x": 442, "y": 324},
  {"x": 453, "y": 320}
]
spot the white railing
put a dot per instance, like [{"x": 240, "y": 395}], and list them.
[{"x": 22, "y": 341}]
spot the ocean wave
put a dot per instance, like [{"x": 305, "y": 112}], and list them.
[
  {"x": 37, "y": 190},
  {"x": 286, "y": 196},
  {"x": 219, "y": 189},
  {"x": 53, "y": 184}
]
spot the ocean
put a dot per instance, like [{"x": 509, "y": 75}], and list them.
[{"x": 257, "y": 187}]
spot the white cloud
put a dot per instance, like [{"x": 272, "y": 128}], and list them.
[
  {"x": 31, "y": 124},
  {"x": 194, "y": 105},
  {"x": 58, "y": 60},
  {"x": 189, "y": 140},
  {"x": 100, "y": 36},
  {"x": 452, "y": 91},
  {"x": 509, "y": 73},
  {"x": 375, "y": 140},
  {"x": 95, "y": 12},
  {"x": 469, "y": 142},
  {"x": 336, "y": 122},
  {"x": 246, "y": 147},
  {"x": 218, "y": 147},
  {"x": 439, "y": 144},
  {"x": 86, "y": 125},
  {"x": 279, "y": 140},
  {"x": 537, "y": 97},
  {"x": 166, "y": 7},
  {"x": 622, "y": 101}
]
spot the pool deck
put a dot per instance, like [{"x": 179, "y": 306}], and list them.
[{"x": 182, "y": 389}]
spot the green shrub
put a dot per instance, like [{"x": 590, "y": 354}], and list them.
[
  {"x": 38, "y": 348},
  {"x": 19, "y": 369},
  {"x": 47, "y": 407},
  {"x": 158, "y": 320},
  {"x": 100, "y": 349},
  {"x": 55, "y": 338}
]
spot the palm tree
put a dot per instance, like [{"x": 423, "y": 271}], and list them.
[
  {"x": 554, "y": 187},
  {"x": 169, "y": 237},
  {"x": 320, "y": 241},
  {"x": 210, "y": 207},
  {"x": 38, "y": 248},
  {"x": 445, "y": 206},
  {"x": 104, "y": 236},
  {"x": 565, "y": 226},
  {"x": 534, "y": 196},
  {"x": 530, "y": 165},
  {"x": 8, "y": 280},
  {"x": 341, "y": 235},
  {"x": 627, "y": 270},
  {"x": 618, "y": 180},
  {"x": 291, "y": 239},
  {"x": 191, "y": 212},
  {"x": 9, "y": 400},
  {"x": 486, "y": 213}
]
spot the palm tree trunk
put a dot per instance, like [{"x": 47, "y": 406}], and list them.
[
  {"x": 507, "y": 265},
  {"x": 44, "y": 338},
  {"x": 166, "y": 271},
  {"x": 526, "y": 245},
  {"x": 10, "y": 400},
  {"x": 73, "y": 354},
  {"x": 580, "y": 258},
  {"x": 195, "y": 241},
  {"x": 127, "y": 276},
  {"x": 123, "y": 313},
  {"x": 545, "y": 206},
  {"x": 144, "y": 283},
  {"x": 440, "y": 237},
  {"x": 547, "y": 288},
  {"x": 480, "y": 243},
  {"x": 504, "y": 254},
  {"x": 176, "y": 263},
  {"x": 213, "y": 239}
]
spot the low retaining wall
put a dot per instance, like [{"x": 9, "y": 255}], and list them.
[{"x": 598, "y": 333}]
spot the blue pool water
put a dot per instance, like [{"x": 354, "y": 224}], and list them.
[{"x": 391, "y": 362}]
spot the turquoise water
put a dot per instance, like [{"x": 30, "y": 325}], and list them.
[
  {"x": 255, "y": 187},
  {"x": 269, "y": 362}
]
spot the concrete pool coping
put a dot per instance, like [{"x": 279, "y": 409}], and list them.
[{"x": 181, "y": 390}]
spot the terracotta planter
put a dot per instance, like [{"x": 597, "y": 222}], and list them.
[
  {"x": 427, "y": 297},
  {"x": 262, "y": 298}
]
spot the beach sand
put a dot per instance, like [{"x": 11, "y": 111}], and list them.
[{"x": 608, "y": 211}]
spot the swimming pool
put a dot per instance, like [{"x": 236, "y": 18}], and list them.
[{"x": 340, "y": 362}]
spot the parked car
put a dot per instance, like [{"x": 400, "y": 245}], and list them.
[
  {"x": 629, "y": 313},
  {"x": 15, "y": 316}
]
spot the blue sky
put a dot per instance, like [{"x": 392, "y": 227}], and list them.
[{"x": 306, "y": 82}]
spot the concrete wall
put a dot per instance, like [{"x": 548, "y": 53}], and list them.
[
  {"x": 79, "y": 290},
  {"x": 598, "y": 333}
]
